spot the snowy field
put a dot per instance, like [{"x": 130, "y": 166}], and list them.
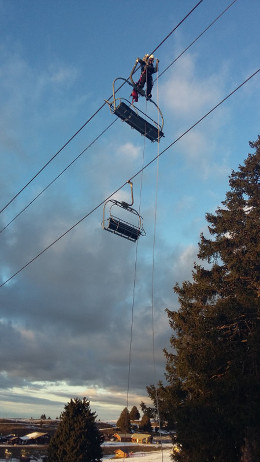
[
  {"x": 153, "y": 456},
  {"x": 163, "y": 455},
  {"x": 158, "y": 455}
]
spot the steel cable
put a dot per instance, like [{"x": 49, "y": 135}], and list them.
[
  {"x": 134, "y": 176},
  {"x": 192, "y": 43},
  {"x": 90, "y": 118}
]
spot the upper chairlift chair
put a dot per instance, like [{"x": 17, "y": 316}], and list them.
[
  {"x": 134, "y": 117},
  {"x": 121, "y": 227}
]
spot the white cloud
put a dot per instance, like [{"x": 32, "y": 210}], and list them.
[
  {"x": 186, "y": 93},
  {"x": 129, "y": 150},
  {"x": 62, "y": 74},
  {"x": 185, "y": 204},
  {"x": 196, "y": 145},
  {"x": 187, "y": 257}
]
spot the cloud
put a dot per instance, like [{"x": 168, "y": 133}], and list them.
[
  {"x": 62, "y": 75},
  {"x": 186, "y": 93},
  {"x": 67, "y": 317},
  {"x": 31, "y": 98},
  {"x": 129, "y": 150},
  {"x": 25, "y": 85}
]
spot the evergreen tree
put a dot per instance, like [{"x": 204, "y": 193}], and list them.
[
  {"x": 123, "y": 422},
  {"x": 147, "y": 410},
  {"x": 162, "y": 412},
  {"x": 213, "y": 368},
  {"x": 134, "y": 413},
  {"x": 77, "y": 437},
  {"x": 145, "y": 424}
]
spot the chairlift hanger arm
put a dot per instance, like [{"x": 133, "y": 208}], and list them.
[
  {"x": 132, "y": 194},
  {"x": 120, "y": 226},
  {"x": 118, "y": 78},
  {"x": 132, "y": 72},
  {"x": 130, "y": 114},
  {"x": 134, "y": 85},
  {"x": 157, "y": 107}
]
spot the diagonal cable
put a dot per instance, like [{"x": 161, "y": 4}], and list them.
[
  {"x": 173, "y": 62},
  {"x": 134, "y": 176},
  {"x": 61, "y": 173},
  {"x": 90, "y": 118},
  {"x": 198, "y": 37}
]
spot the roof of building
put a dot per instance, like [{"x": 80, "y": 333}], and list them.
[
  {"x": 33, "y": 436},
  {"x": 121, "y": 453},
  {"x": 141, "y": 435}
]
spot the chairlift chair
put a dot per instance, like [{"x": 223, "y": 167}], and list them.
[
  {"x": 134, "y": 117},
  {"x": 120, "y": 226}
]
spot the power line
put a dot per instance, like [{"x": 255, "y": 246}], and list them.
[
  {"x": 90, "y": 118},
  {"x": 91, "y": 144},
  {"x": 51, "y": 159},
  {"x": 125, "y": 183},
  {"x": 173, "y": 30},
  {"x": 194, "y": 125},
  {"x": 198, "y": 37},
  {"x": 61, "y": 173}
]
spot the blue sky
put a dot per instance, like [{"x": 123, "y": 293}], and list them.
[{"x": 65, "y": 320}]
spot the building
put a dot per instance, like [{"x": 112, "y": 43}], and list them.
[
  {"x": 123, "y": 437},
  {"x": 121, "y": 453},
  {"x": 144, "y": 438},
  {"x": 35, "y": 438},
  {"x": 159, "y": 439},
  {"x": 31, "y": 438}
]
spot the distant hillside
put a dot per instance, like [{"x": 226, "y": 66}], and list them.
[{"x": 21, "y": 427}]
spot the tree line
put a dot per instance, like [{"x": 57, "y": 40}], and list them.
[{"x": 127, "y": 420}]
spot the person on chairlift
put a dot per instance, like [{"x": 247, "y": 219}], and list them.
[{"x": 147, "y": 70}]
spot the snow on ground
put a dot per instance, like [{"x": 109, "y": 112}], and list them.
[
  {"x": 159, "y": 455},
  {"x": 153, "y": 456},
  {"x": 163, "y": 455}
]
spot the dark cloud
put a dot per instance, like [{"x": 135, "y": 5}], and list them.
[
  {"x": 67, "y": 317},
  {"x": 28, "y": 400}
]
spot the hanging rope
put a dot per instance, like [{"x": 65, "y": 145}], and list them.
[
  {"x": 134, "y": 286},
  {"x": 153, "y": 266}
]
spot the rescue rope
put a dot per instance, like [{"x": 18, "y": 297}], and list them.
[
  {"x": 153, "y": 267},
  {"x": 134, "y": 286}
]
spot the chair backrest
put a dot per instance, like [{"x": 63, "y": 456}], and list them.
[
  {"x": 122, "y": 228},
  {"x": 137, "y": 122}
]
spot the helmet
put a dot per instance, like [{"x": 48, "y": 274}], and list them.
[{"x": 151, "y": 57}]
